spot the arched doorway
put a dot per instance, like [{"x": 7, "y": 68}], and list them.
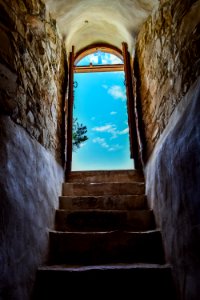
[{"x": 101, "y": 60}]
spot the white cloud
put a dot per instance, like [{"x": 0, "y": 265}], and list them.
[
  {"x": 104, "y": 128},
  {"x": 101, "y": 142},
  {"x": 115, "y": 60},
  {"x": 125, "y": 131},
  {"x": 93, "y": 59},
  {"x": 109, "y": 128},
  {"x": 117, "y": 92},
  {"x": 108, "y": 58},
  {"x": 112, "y": 113},
  {"x": 83, "y": 144},
  {"x": 112, "y": 129},
  {"x": 115, "y": 148},
  {"x": 104, "y": 144}
]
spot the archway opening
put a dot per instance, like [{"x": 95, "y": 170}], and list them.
[
  {"x": 104, "y": 60},
  {"x": 100, "y": 105}
]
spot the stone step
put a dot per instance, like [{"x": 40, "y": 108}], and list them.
[
  {"x": 116, "y": 281},
  {"x": 100, "y": 189},
  {"x": 106, "y": 176},
  {"x": 103, "y": 220},
  {"x": 105, "y": 247},
  {"x": 116, "y": 202}
]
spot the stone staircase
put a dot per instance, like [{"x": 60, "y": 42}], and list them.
[{"x": 105, "y": 244}]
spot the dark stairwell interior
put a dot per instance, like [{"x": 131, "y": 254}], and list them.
[
  {"x": 163, "y": 38},
  {"x": 105, "y": 243}
]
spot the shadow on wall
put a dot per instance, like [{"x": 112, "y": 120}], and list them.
[
  {"x": 173, "y": 190},
  {"x": 30, "y": 183}
]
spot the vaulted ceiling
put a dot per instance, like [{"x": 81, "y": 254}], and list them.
[{"x": 84, "y": 22}]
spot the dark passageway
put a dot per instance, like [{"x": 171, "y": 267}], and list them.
[{"x": 160, "y": 40}]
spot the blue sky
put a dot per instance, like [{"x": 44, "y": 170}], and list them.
[
  {"x": 99, "y": 58},
  {"x": 100, "y": 104}
]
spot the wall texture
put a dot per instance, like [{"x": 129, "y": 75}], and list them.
[
  {"x": 167, "y": 63},
  {"x": 30, "y": 183},
  {"x": 172, "y": 185},
  {"x": 167, "y": 68},
  {"x": 32, "y": 71},
  {"x": 32, "y": 78}
]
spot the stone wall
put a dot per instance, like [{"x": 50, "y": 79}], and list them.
[
  {"x": 32, "y": 90},
  {"x": 32, "y": 71},
  {"x": 167, "y": 62},
  {"x": 173, "y": 190},
  {"x": 30, "y": 183},
  {"x": 167, "y": 69}
]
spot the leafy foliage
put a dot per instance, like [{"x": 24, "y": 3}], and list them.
[{"x": 78, "y": 134}]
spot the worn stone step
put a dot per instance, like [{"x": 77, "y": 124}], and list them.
[
  {"x": 99, "y": 189},
  {"x": 118, "y": 202},
  {"x": 116, "y": 281},
  {"x": 105, "y": 247},
  {"x": 106, "y": 176},
  {"x": 101, "y": 220}
]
